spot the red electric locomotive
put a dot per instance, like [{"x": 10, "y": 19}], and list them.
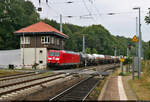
[{"x": 63, "y": 58}]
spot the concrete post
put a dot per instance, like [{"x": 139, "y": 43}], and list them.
[{"x": 61, "y": 23}]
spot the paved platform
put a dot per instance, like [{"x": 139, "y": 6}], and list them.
[{"x": 114, "y": 89}]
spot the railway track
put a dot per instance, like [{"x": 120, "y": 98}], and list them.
[
  {"x": 81, "y": 90},
  {"x": 7, "y": 83},
  {"x": 20, "y": 87},
  {"x": 15, "y": 75},
  {"x": 30, "y": 83},
  {"x": 18, "y": 76},
  {"x": 78, "y": 91}
]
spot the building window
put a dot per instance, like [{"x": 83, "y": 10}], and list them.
[
  {"x": 45, "y": 39},
  {"x": 52, "y": 40},
  {"x": 25, "y": 40},
  {"x": 63, "y": 43},
  {"x": 57, "y": 41}
]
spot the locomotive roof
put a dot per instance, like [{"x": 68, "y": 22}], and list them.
[
  {"x": 40, "y": 28},
  {"x": 71, "y": 52}
]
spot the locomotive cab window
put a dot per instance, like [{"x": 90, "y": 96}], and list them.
[
  {"x": 54, "y": 53},
  {"x": 57, "y": 53},
  {"x": 51, "y": 53}
]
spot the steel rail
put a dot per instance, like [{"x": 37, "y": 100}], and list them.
[
  {"x": 68, "y": 89},
  {"x": 14, "y": 90},
  {"x": 91, "y": 90},
  {"x": 7, "y": 76},
  {"x": 75, "y": 86},
  {"x": 19, "y": 76},
  {"x": 25, "y": 81}
]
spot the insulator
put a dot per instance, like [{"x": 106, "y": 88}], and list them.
[{"x": 69, "y": 2}]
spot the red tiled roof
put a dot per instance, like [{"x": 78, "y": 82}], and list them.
[{"x": 39, "y": 27}]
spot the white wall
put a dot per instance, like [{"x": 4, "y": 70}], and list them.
[
  {"x": 10, "y": 57},
  {"x": 29, "y": 57}
]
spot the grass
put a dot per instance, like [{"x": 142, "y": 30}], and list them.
[
  {"x": 125, "y": 73},
  {"x": 4, "y": 72},
  {"x": 47, "y": 73},
  {"x": 24, "y": 69},
  {"x": 142, "y": 87}
]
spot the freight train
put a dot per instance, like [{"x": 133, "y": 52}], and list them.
[{"x": 62, "y": 58}]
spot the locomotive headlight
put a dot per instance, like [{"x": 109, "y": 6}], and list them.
[
  {"x": 57, "y": 59},
  {"x": 50, "y": 58}
]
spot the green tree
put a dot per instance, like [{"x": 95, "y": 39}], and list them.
[
  {"x": 14, "y": 14},
  {"x": 94, "y": 51},
  {"x": 88, "y": 50},
  {"x": 147, "y": 18}
]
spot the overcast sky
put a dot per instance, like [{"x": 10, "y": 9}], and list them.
[{"x": 123, "y": 23}]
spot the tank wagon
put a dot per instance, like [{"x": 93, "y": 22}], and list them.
[{"x": 64, "y": 58}]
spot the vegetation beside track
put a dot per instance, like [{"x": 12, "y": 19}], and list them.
[
  {"x": 47, "y": 73},
  {"x": 142, "y": 87},
  {"x": 4, "y": 72}
]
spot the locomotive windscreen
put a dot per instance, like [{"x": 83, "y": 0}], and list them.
[{"x": 54, "y": 54}]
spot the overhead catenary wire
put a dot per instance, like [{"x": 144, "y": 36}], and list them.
[
  {"x": 91, "y": 1},
  {"x": 90, "y": 14},
  {"x": 58, "y": 13},
  {"x": 87, "y": 8}
]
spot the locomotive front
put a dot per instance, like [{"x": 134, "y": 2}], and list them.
[{"x": 54, "y": 58}]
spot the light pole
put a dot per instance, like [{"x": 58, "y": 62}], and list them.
[
  {"x": 23, "y": 42},
  {"x": 137, "y": 36},
  {"x": 140, "y": 43},
  {"x": 83, "y": 45},
  {"x": 127, "y": 51},
  {"x": 35, "y": 45},
  {"x": 61, "y": 23},
  {"x": 115, "y": 51},
  {"x": 83, "y": 49}
]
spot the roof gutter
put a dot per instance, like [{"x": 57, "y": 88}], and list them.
[{"x": 41, "y": 33}]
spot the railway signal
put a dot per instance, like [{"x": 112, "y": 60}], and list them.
[
  {"x": 135, "y": 39},
  {"x": 122, "y": 60}
]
